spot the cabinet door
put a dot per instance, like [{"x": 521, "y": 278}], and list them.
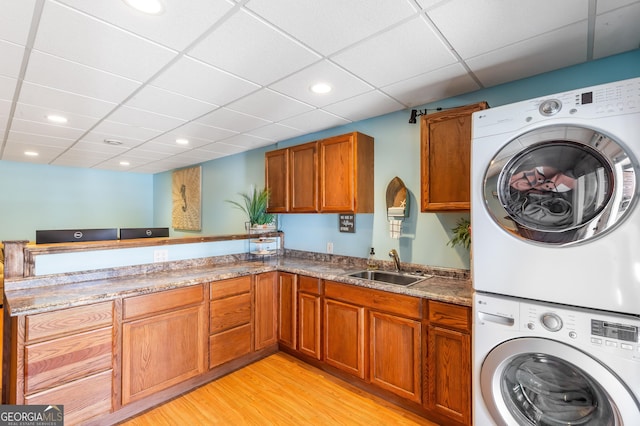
[
  {"x": 344, "y": 337},
  {"x": 161, "y": 351},
  {"x": 395, "y": 355},
  {"x": 303, "y": 178},
  {"x": 287, "y": 290},
  {"x": 265, "y": 306},
  {"x": 276, "y": 170},
  {"x": 337, "y": 181},
  {"x": 309, "y": 324},
  {"x": 446, "y": 158},
  {"x": 449, "y": 377}
]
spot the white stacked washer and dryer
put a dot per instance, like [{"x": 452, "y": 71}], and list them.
[{"x": 556, "y": 259}]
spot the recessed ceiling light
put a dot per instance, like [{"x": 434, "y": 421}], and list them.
[
  {"x": 125, "y": 163},
  {"x": 320, "y": 88},
  {"x": 182, "y": 141},
  {"x": 54, "y": 118},
  {"x": 150, "y": 7},
  {"x": 31, "y": 153},
  {"x": 112, "y": 142}
]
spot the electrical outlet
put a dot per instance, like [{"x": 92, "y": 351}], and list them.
[
  {"x": 160, "y": 255},
  {"x": 330, "y": 248}
]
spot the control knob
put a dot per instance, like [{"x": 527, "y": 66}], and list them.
[{"x": 551, "y": 321}]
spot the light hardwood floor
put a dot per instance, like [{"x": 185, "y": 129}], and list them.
[{"x": 278, "y": 390}]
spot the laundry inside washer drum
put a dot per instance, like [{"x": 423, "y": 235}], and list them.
[{"x": 544, "y": 390}]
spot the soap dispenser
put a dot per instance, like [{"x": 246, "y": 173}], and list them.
[{"x": 371, "y": 262}]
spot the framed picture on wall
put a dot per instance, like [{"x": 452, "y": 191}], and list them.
[{"x": 187, "y": 200}]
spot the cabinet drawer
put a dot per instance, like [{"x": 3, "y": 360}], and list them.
[
  {"x": 230, "y": 312},
  {"x": 68, "y": 321},
  {"x": 229, "y": 345},
  {"x": 449, "y": 315},
  {"x": 309, "y": 285},
  {"x": 230, "y": 287},
  {"x": 140, "y": 306},
  {"x": 399, "y": 304},
  {"x": 82, "y": 399},
  {"x": 62, "y": 360}
]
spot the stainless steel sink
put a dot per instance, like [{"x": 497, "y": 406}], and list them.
[{"x": 388, "y": 277}]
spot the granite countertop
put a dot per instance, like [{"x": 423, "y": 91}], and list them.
[{"x": 31, "y": 296}]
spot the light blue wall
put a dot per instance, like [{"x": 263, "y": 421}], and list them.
[
  {"x": 425, "y": 235},
  {"x": 36, "y": 196}
]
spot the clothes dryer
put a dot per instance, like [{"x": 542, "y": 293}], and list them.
[
  {"x": 538, "y": 363},
  {"x": 554, "y": 198}
]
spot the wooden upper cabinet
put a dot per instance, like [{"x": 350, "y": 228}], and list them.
[
  {"x": 303, "y": 178},
  {"x": 445, "y": 153},
  {"x": 346, "y": 174},
  {"x": 276, "y": 170}
]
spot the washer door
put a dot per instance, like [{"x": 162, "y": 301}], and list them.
[
  {"x": 560, "y": 185},
  {"x": 530, "y": 381}
]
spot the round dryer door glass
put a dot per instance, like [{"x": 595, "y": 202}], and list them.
[{"x": 560, "y": 185}]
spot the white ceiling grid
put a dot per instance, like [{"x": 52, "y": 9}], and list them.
[{"x": 232, "y": 76}]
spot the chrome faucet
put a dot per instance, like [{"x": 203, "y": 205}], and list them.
[{"x": 396, "y": 259}]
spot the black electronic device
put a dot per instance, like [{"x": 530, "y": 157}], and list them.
[
  {"x": 75, "y": 235},
  {"x": 131, "y": 233}
]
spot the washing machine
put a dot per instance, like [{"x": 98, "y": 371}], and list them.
[
  {"x": 538, "y": 363},
  {"x": 554, "y": 204}
]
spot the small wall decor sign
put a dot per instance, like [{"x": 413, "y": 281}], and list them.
[
  {"x": 347, "y": 223},
  {"x": 186, "y": 190}
]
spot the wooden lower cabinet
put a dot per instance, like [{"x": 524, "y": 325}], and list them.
[
  {"x": 162, "y": 348},
  {"x": 287, "y": 309},
  {"x": 344, "y": 337},
  {"x": 395, "y": 356},
  {"x": 265, "y": 310}
]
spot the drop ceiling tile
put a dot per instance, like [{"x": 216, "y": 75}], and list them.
[
  {"x": 394, "y": 55},
  {"x": 177, "y": 27},
  {"x": 617, "y": 31},
  {"x": 367, "y": 105},
  {"x": 314, "y": 121},
  {"x": 11, "y": 55},
  {"x": 145, "y": 119},
  {"x": 609, "y": 5},
  {"x": 119, "y": 52},
  {"x": 44, "y": 129},
  {"x": 161, "y": 149},
  {"x": 232, "y": 120},
  {"x": 99, "y": 148},
  {"x": 491, "y": 25},
  {"x": 114, "y": 164},
  {"x": 33, "y": 94},
  {"x": 38, "y": 114},
  {"x": 5, "y": 108},
  {"x": 247, "y": 141},
  {"x": 223, "y": 148},
  {"x": 7, "y": 87},
  {"x": 344, "y": 85},
  {"x": 15, "y": 20},
  {"x": 244, "y": 41},
  {"x": 196, "y": 130},
  {"x": 269, "y": 105},
  {"x": 28, "y": 140},
  {"x": 204, "y": 82},
  {"x": 556, "y": 49},
  {"x": 15, "y": 152},
  {"x": 276, "y": 132},
  {"x": 54, "y": 72},
  {"x": 71, "y": 160},
  {"x": 330, "y": 25},
  {"x": 124, "y": 132},
  {"x": 170, "y": 104},
  {"x": 432, "y": 86}
]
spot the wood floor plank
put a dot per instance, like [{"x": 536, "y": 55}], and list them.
[{"x": 278, "y": 390}]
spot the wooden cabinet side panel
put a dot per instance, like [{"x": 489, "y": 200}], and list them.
[
  {"x": 449, "y": 378},
  {"x": 303, "y": 169},
  {"x": 68, "y": 321},
  {"x": 309, "y": 332},
  {"x": 82, "y": 399},
  {"x": 287, "y": 312},
  {"x": 344, "y": 337},
  {"x": 265, "y": 310},
  {"x": 161, "y": 351},
  {"x": 276, "y": 169},
  {"x": 395, "y": 355},
  {"x": 364, "y": 172},
  {"x": 337, "y": 183},
  {"x": 62, "y": 360}
]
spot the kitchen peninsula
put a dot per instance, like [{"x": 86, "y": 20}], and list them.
[{"x": 129, "y": 338}]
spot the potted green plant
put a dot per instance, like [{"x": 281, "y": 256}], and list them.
[
  {"x": 461, "y": 234},
  {"x": 254, "y": 204}
]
